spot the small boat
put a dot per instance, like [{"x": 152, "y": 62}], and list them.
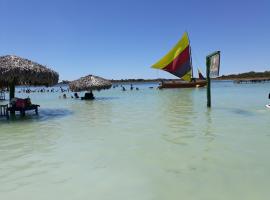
[
  {"x": 179, "y": 63},
  {"x": 183, "y": 84}
]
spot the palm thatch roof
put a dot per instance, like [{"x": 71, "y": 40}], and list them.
[
  {"x": 25, "y": 72},
  {"x": 89, "y": 83}
]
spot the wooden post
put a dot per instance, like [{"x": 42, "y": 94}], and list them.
[
  {"x": 208, "y": 82},
  {"x": 12, "y": 95},
  {"x": 208, "y": 65},
  {"x": 12, "y": 90}
]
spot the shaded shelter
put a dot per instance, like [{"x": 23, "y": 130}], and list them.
[
  {"x": 89, "y": 83},
  {"x": 15, "y": 70}
]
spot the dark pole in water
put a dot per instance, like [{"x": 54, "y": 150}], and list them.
[
  {"x": 12, "y": 90},
  {"x": 213, "y": 62},
  {"x": 208, "y": 81}
]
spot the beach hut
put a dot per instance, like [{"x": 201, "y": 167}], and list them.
[
  {"x": 89, "y": 83},
  {"x": 20, "y": 71}
]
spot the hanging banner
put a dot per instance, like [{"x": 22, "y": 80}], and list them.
[{"x": 214, "y": 64}]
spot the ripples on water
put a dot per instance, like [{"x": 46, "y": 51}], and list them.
[{"x": 146, "y": 144}]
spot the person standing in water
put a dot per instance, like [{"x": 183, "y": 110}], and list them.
[
  {"x": 268, "y": 105},
  {"x": 76, "y": 95}
]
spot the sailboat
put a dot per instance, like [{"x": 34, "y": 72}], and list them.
[{"x": 179, "y": 63}]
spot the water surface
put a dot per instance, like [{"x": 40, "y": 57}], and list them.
[{"x": 146, "y": 144}]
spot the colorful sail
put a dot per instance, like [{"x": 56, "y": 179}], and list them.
[
  {"x": 178, "y": 60},
  {"x": 187, "y": 76},
  {"x": 200, "y": 75}
]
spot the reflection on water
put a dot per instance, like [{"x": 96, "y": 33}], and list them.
[
  {"x": 146, "y": 144},
  {"x": 178, "y": 114},
  {"x": 51, "y": 113},
  {"x": 106, "y": 98},
  {"x": 242, "y": 112},
  {"x": 43, "y": 115}
]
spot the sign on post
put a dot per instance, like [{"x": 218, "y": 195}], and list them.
[
  {"x": 214, "y": 64},
  {"x": 212, "y": 71}
]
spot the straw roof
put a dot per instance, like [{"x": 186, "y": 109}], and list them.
[
  {"x": 89, "y": 83},
  {"x": 25, "y": 72}
]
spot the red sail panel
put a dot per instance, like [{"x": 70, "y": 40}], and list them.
[{"x": 181, "y": 65}]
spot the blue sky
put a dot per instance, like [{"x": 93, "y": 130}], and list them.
[{"x": 122, "y": 39}]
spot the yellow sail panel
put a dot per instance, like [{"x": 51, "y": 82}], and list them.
[
  {"x": 187, "y": 76},
  {"x": 174, "y": 53}
]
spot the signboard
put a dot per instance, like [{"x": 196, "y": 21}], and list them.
[
  {"x": 212, "y": 70},
  {"x": 214, "y": 64}
]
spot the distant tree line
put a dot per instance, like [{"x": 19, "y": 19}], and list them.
[
  {"x": 250, "y": 75},
  {"x": 139, "y": 80},
  {"x": 246, "y": 75}
]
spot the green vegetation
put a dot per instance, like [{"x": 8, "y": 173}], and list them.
[
  {"x": 140, "y": 80},
  {"x": 247, "y": 75}
]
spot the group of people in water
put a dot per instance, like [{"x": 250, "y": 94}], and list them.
[
  {"x": 87, "y": 96},
  {"x": 65, "y": 91},
  {"x": 124, "y": 89},
  {"x": 43, "y": 90},
  {"x": 90, "y": 96}
]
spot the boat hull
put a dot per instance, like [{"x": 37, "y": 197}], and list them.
[{"x": 181, "y": 84}]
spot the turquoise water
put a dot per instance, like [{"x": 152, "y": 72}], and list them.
[{"x": 148, "y": 144}]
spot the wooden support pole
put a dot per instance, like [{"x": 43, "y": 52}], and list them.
[
  {"x": 208, "y": 82},
  {"x": 12, "y": 90},
  {"x": 208, "y": 65}
]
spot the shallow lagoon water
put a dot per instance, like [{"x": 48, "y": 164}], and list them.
[{"x": 146, "y": 144}]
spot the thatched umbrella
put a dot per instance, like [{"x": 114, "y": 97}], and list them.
[
  {"x": 89, "y": 83},
  {"x": 19, "y": 71}
]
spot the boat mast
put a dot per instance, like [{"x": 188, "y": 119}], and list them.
[{"x": 190, "y": 56}]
